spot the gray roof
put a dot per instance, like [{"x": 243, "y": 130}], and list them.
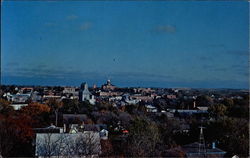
[
  {"x": 193, "y": 149},
  {"x": 81, "y": 117}
]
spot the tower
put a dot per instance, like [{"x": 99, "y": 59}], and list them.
[
  {"x": 108, "y": 82},
  {"x": 202, "y": 145},
  {"x": 84, "y": 93}
]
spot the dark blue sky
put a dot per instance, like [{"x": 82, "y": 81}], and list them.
[{"x": 158, "y": 44}]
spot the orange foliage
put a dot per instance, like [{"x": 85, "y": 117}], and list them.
[
  {"x": 18, "y": 126},
  {"x": 5, "y": 107},
  {"x": 54, "y": 103},
  {"x": 107, "y": 148},
  {"x": 4, "y": 102},
  {"x": 34, "y": 109}
]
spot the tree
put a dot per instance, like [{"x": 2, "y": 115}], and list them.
[
  {"x": 174, "y": 152},
  {"x": 34, "y": 109},
  {"x": 125, "y": 118},
  {"x": 55, "y": 105},
  {"x": 232, "y": 135},
  {"x": 204, "y": 100},
  {"x": 217, "y": 110},
  {"x": 70, "y": 106},
  {"x": 131, "y": 109},
  {"x": 68, "y": 145},
  {"x": 50, "y": 144},
  {"x": 107, "y": 148},
  {"x": 228, "y": 102},
  {"x": 38, "y": 112},
  {"x": 15, "y": 128},
  {"x": 5, "y": 107},
  {"x": 143, "y": 138}
]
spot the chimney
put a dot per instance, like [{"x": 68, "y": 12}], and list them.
[{"x": 64, "y": 128}]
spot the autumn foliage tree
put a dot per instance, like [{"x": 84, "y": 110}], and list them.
[
  {"x": 107, "y": 148},
  {"x": 5, "y": 107},
  {"x": 38, "y": 112},
  {"x": 15, "y": 128}
]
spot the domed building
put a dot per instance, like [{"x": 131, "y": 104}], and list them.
[{"x": 108, "y": 86}]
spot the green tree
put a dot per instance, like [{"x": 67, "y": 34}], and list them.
[
  {"x": 232, "y": 135},
  {"x": 70, "y": 106},
  {"x": 55, "y": 105},
  {"x": 204, "y": 100},
  {"x": 217, "y": 110},
  {"x": 228, "y": 102}
]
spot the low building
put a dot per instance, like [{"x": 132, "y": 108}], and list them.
[
  {"x": 143, "y": 98},
  {"x": 188, "y": 112},
  {"x": 18, "y": 98},
  {"x": 151, "y": 108},
  {"x": 18, "y": 106},
  {"x": 69, "y": 90},
  {"x": 192, "y": 150},
  {"x": 171, "y": 96},
  {"x": 108, "y": 94}
]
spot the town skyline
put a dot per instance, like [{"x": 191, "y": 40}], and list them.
[{"x": 135, "y": 44}]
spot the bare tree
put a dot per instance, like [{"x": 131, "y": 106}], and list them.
[
  {"x": 143, "y": 138},
  {"x": 87, "y": 144},
  {"x": 49, "y": 144},
  {"x": 68, "y": 145}
]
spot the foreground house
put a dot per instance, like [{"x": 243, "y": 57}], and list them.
[{"x": 192, "y": 150}]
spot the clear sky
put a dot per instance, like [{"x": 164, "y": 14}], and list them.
[{"x": 158, "y": 44}]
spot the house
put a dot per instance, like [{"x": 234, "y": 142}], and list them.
[
  {"x": 50, "y": 129},
  {"x": 202, "y": 108},
  {"x": 188, "y": 112},
  {"x": 18, "y": 106},
  {"x": 25, "y": 90},
  {"x": 171, "y": 96},
  {"x": 69, "y": 90},
  {"x": 36, "y": 97},
  {"x": 151, "y": 108},
  {"x": 192, "y": 150},
  {"x": 18, "y": 98}
]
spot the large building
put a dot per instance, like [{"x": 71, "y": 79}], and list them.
[{"x": 108, "y": 86}]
